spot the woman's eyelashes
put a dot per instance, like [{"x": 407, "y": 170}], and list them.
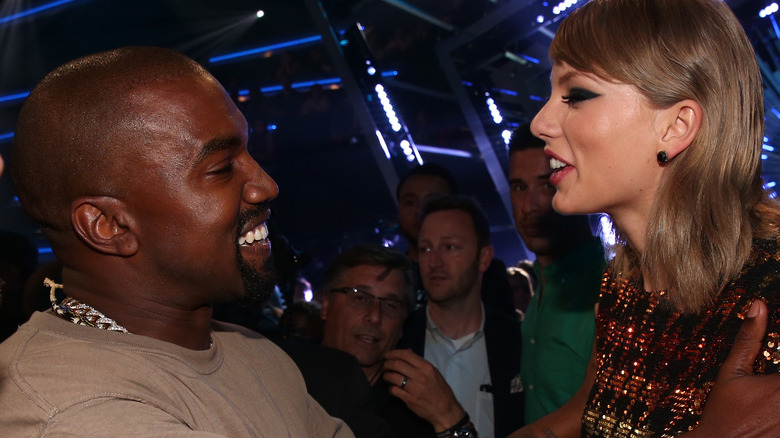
[{"x": 577, "y": 95}]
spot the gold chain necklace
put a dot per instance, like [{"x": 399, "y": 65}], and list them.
[{"x": 79, "y": 313}]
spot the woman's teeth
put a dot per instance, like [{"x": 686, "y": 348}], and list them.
[
  {"x": 556, "y": 164},
  {"x": 255, "y": 235}
]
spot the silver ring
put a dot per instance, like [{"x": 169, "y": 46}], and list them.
[{"x": 403, "y": 383}]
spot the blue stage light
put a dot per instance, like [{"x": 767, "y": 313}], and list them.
[
  {"x": 530, "y": 59},
  {"x": 258, "y": 50},
  {"x": 444, "y": 151},
  {"x": 33, "y": 11},
  {"x": 16, "y": 96}
]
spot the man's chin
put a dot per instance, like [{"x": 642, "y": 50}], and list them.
[{"x": 258, "y": 283}]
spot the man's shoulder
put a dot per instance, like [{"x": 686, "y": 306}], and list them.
[
  {"x": 47, "y": 338},
  {"x": 47, "y": 368},
  {"x": 236, "y": 340},
  {"x": 413, "y": 334},
  {"x": 308, "y": 350},
  {"x": 501, "y": 325},
  {"x": 314, "y": 357},
  {"x": 416, "y": 321},
  {"x": 51, "y": 358},
  {"x": 51, "y": 366}
]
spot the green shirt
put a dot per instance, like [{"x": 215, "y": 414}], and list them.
[{"x": 558, "y": 329}]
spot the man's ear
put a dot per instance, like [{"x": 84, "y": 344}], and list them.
[
  {"x": 485, "y": 257},
  {"x": 103, "y": 223},
  {"x": 681, "y": 124}
]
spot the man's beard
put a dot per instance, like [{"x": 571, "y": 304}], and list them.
[
  {"x": 461, "y": 288},
  {"x": 258, "y": 285}
]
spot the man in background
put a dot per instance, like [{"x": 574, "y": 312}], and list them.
[
  {"x": 559, "y": 322},
  {"x": 367, "y": 295},
  {"x": 475, "y": 348},
  {"x": 415, "y": 189}
]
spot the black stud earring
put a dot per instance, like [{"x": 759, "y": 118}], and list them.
[{"x": 662, "y": 157}]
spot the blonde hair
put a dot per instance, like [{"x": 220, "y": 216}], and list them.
[{"x": 711, "y": 202}]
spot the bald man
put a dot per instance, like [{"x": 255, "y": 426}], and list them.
[{"x": 134, "y": 163}]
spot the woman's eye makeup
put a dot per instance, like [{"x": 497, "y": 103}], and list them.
[{"x": 578, "y": 95}]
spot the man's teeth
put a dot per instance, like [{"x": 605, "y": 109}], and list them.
[
  {"x": 556, "y": 164},
  {"x": 255, "y": 235}
]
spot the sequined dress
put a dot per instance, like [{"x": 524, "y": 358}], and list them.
[{"x": 655, "y": 367}]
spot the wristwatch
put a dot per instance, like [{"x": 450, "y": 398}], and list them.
[
  {"x": 467, "y": 431},
  {"x": 462, "y": 429}
]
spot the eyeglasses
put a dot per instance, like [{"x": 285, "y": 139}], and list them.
[{"x": 362, "y": 300}]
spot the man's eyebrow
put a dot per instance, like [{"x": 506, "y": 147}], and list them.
[
  {"x": 217, "y": 144},
  {"x": 370, "y": 289}
]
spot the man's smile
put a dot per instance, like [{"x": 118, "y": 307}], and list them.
[{"x": 257, "y": 235}]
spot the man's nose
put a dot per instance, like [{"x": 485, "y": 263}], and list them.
[
  {"x": 530, "y": 203},
  {"x": 260, "y": 187},
  {"x": 373, "y": 314}
]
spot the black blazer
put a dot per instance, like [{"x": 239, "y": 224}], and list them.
[
  {"x": 335, "y": 380},
  {"x": 504, "y": 343}
]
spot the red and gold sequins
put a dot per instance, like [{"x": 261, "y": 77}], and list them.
[{"x": 656, "y": 367}]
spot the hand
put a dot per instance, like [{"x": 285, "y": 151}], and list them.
[
  {"x": 426, "y": 392},
  {"x": 742, "y": 404}
]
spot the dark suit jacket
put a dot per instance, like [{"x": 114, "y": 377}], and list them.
[
  {"x": 504, "y": 343},
  {"x": 335, "y": 380},
  {"x": 404, "y": 422}
]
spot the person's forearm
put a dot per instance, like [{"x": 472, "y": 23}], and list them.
[{"x": 563, "y": 423}]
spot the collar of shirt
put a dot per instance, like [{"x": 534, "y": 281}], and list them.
[{"x": 454, "y": 345}]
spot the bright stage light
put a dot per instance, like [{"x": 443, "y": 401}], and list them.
[
  {"x": 259, "y": 50},
  {"x": 33, "y": 11}
]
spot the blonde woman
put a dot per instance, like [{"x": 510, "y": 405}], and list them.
[{"x": 656, "y": 118}]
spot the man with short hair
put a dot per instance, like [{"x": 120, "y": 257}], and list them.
[
  {"x": 559, "y": 323},
  {"x": 419, "y": 185},
  {"x": 415, "y": 189},
  {"x": 134, "y": 162},
  {"x": 476, "y": 349},
  {"x": 367, "y": 294}
]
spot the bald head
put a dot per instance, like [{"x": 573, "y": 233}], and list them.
[{"x": 80, "y": 125}]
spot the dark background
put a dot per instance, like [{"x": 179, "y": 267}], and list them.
[{"x": 439, "y": 58}]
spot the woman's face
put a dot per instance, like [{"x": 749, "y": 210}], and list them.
[{"x": 602, "y": 139}]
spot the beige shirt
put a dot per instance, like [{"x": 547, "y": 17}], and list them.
[{"x": 61, "y": 379}]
